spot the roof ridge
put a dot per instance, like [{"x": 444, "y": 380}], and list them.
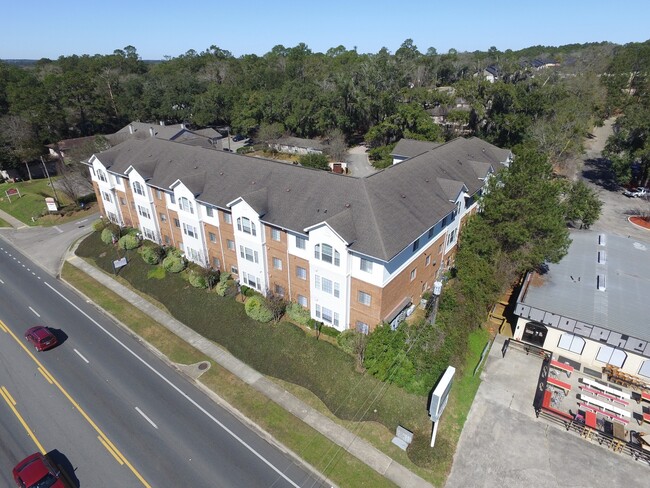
[{"x": 373, "y": 219}]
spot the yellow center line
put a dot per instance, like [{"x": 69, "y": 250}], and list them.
[
  {"x": 102, "y": 437},
  {"x": 11, "y": 402},
  {"x": 110, "y": 449}
]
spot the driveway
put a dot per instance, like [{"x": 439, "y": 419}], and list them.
[{"x": 358, "y": 163}]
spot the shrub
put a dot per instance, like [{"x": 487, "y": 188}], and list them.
[
  {"x": 297, "y": 313},
  {"x": 256, "y": 309},
  {"x": 314, "y": 160},
  {"x": 247, "y": 291},
  {"x": 152, "y": 254},
  {"x": 129, "y": 241},
  {"x": 225, "y": 277},
  {"x": 107, "y": 236},
  {"x": 197, "y": 279},
  {"x": 174, "y": 262},
  {"x": 329, "y": 331},
  {"x": 99, "y": 225},
  {"x": 226, "y": 288}
]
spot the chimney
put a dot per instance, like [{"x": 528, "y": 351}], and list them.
[
  {"x": 151, "y": 132},
  {"x": 130, "y": 128}
]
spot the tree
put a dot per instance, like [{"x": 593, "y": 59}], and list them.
[
  {"x": 583, "y": 205},
  {"x": 22, "y": 145},
  {"x": 629, "y": 147},
  {"x": 314, "y": 160},
  {"x": 336, "y": 147}
]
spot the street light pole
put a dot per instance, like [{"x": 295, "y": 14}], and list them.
[{"x": 50, "y": 179}]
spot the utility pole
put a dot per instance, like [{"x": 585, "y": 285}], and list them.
[{"x": 47, "y": 173}]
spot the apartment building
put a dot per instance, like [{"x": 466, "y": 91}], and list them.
[{"x": 354, "y": 251}]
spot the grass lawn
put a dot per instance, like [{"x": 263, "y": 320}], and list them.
[
  {"x": 31, "y": 203},
  {"x": 4, "y": 224},
  {"x": 318, "y": 372}
]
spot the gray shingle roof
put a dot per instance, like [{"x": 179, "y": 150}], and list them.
[
  {"x": 409, "y": 148},
  {"x": 378, "y": 215}
]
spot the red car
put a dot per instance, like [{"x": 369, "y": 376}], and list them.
[
  {"x": 41, "y": 338},
  {"x": 36, "y": 471}
]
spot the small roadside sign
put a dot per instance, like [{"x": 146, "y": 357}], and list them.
[
  {"x": 12, "y": 192},
  {"x": 51, "y": 204}
]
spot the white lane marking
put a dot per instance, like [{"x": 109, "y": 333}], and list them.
[
  {"x": 33, "y": 273},
  {"x": 35, "y": 312},
  {"x": 58, "y": 230},
  {"x": 2, "y": 282},
  {"x": 82, "y": 221},
  {"x": 81, "y": 356},
  {"x": 178, "y": 390},
  {"x": 145, "y": 417}
]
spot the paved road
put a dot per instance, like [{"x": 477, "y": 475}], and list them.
[
  {"x": 358, "y": 163},
  {"x": 167, "y": 430}
]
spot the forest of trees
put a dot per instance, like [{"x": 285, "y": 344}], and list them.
[{"x": 378, "y": 97}]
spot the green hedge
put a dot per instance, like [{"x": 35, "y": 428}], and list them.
[
  {"x": 174, "y": 263},
  {"x": 152, "y": 254},
  {"x": 129, "y": 241},
  {"x": 297, "y": 313},
  {"x": 256, "y": 309},
  {"x": 226, "y": 288}
]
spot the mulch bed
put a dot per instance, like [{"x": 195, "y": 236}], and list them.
[{"x": 641, "y": 221}]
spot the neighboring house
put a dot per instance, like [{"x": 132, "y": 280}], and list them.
[
  {"x": 591, "y": 307},
  {"x": 59, "y": 149},
  {"x": 440, "y": 115},
  {"x": 542, "y": 63},
  {"x": 297, "y": 145},
  {"x": 491, "y": 73},
  {"x": 354, "y": 251}
]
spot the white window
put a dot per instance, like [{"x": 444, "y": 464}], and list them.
[
  {"x": 279, "y": 290},
  {"x": 327, "y": 315},
  {"x": 413, "y": 273},
  {"x": 301, "y": 273},
  {"x": 303, "y": 301},
  {"x": 318, "y": 314},
  {"x": 185, "y": 205},
  {"x": 364, "y": 298},
  {"x": 101, "y": 175},
  {"x": 138, "y": 188},
  {"x": 212, "y": 236},
  {"x": 158, "y": 194},
  {"x": 570, "y": 342},
  {"x": 190, "y": 231},
  {"x": 227, "y": 218},
  {"x": 327, "y": 286},
  {"x": 452, "y": 237},
  {"x": 230, "y": 244},
  {"x": 112, "y": 217},
  {"x": 149, "y": 234},
  {"x": 277, "y": 263},
  {"x": 361, "y": 327},
  {"x": 645, "y": 369},
  {"x": 251, "y": 280},
  {"x": 209, "y": 211},
  {"x": 193, "y": 254},
  {"x": 366, "y": 265},
  {"x": 163, "y": 217},
  {"x": 611, "y": 355},
  {"x": 327, "y": 253},
  {"x": 234, "y": 270},
  {"x": 427, "y": 261},
  {"x": 301, "y": 242},
  {"x": 275, "y": 234},
  {"x": 107, "y": 196},
  {"x": 248, "y": 254},
  {"x": 144, "y": 212},
  {"x": 246, "y": 226}
]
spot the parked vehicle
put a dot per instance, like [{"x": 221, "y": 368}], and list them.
[
  {"x": 238, "y": 138},
  {"x": 637, "y": 192}
]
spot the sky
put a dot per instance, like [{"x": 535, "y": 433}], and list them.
[{"x": 35, "y": 29}]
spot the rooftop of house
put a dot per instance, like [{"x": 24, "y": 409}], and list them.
[
  {"x": 409, "y": 148},
  {"x": 300, "y": 142},
  {"x": 378, "y": 215},
  {"x": 570, "y": 287}
]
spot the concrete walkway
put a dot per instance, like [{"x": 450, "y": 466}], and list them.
[{"x": 50, "y": 247}]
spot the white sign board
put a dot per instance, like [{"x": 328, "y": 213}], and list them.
[
  {"x": 441, "y": 394},
  {"x": 51, "y": 204}
]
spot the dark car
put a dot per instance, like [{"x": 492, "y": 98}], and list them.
[
  {"x": 36, "y": 471},
  {"x": 238, "y": 138},
  {"x": 41, "y": 338}
]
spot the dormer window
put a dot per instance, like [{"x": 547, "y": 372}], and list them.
[
  {"x": 185, "y": 205},
  {"x": 245, "y": 225},
  {"x": 101, "y": 175},
  {"x": 327, "y": 253},
  {"x": 138, "y": 188}
]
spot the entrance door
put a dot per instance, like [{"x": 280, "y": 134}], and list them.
[{"x": 534, "y": 333}]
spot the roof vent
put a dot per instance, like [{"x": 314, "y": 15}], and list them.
[
  {"x": 602, "y": 241},
  {"x": 288, "y": 190},
  {"x": 221, "y": 173},
  {"x": 602, "y": 257},
  {"x": 427, "y": 180},
  {"x": 252, "y": 182},
  {"x": 403, "y": 196},
  {"x": 600, "y": 282},
  {"x": 347, "y": 205}
]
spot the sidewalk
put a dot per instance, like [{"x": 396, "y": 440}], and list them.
[
  {"x": 11, "y": 220},
  {"x": 359, "y": 448}
]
